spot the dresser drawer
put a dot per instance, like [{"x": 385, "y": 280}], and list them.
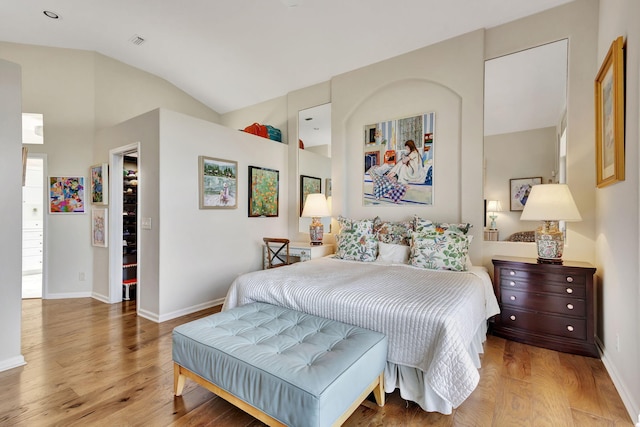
[
  {"x": 532, "y": 275},
  {"x": 544, "y": 323},
  {"x": 536, "y": 284},
  {"x": 564, "y": 305}
]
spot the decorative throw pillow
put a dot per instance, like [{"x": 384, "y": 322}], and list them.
[
  {"x": 356, "y": 247},
  {"x": 398, "y": 233},
  {"x": 439, "y": 251},
  {"x": 421, "y": 225},
  {"x": 360, "y": 226},
  {"x": 392, "y": 253}
]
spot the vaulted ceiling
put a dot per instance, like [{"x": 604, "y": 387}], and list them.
[{"x": 229, "y": 54}]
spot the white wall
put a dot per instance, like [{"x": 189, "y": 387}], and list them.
[
  {"x": 203, "y": 250},
  {"x": 617, "y": 228},
  {"x": 10, "y": 215}
]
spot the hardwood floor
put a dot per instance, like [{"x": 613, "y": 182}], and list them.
[{"x": 94, "y": 364}]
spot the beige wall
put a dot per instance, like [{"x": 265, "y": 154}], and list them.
[{"x": 617, "y": 228}]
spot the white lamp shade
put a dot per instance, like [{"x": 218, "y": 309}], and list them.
[
  {"x": 315, "y": 206},
  {"x": 550, "y": 202},
  {"x": 494, "y": 206}
]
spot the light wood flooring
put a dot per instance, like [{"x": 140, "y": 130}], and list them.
[{"x": 94, "y": 364}]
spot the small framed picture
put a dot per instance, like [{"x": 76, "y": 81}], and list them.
[
  {"x": 308, "y": 185},
  {"x": 99, "y": 226},
  {"x": 520, "y": 189},
  {"x": 218, "y": 183},
  {"x": 66, "y": 195},
  {"x": 99, "y": 184},
  {"x": 263, "y": 192}
]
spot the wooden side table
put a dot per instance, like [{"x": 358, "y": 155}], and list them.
[{"x": 546, "y": 305}]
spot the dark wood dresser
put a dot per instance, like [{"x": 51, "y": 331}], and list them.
[{"x": 546, "y": 305}]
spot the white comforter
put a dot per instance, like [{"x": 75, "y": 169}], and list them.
[{"x": 430, "y": 317}]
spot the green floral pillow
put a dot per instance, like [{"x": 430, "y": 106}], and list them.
[
  {"x": 357, "y": 247},
  {"x": 439, "y": 251},
  {"x": 397, "y": 233},
  {"x": 359, "y": 226}
]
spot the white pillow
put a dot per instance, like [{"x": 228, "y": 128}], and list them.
[{"x": 389, "y": 252}]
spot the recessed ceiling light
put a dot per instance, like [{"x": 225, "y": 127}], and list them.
[{"x": 50, "y": 14}]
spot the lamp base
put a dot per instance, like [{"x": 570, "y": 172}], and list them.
[
  {"x": 550, "y": 243},
  {"x": 549, "y": 261},
  {"x": 316, "y": 232}
]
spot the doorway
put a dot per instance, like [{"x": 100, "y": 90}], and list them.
[
  {"x": 33, "y": 227},
  {"x": 124, "y": 280}
]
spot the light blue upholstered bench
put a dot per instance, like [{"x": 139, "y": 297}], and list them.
[{"x": 282, "y": 366}]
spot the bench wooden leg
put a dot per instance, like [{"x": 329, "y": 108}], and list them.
[
  {"x": 378, "y": 392},
  {"x": 178, "y": 380}
]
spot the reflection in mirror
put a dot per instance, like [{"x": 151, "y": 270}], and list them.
[
  {"x": 524, "y": 131},
  {"x": 314, "y": 155}
]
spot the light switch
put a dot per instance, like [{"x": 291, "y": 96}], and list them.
[{"x": 146, "y": 224}]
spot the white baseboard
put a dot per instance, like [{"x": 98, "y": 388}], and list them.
[
  {"x": 68, "y": 295},
  {"x": 12, "y": 362},
  {"x": 100, "y": 297},
  {"x": 630, "y": 402},
  {"x": 189, "y": 310}
]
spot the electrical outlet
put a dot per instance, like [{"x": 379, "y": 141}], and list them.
[
  {"x": 617, "y": 341},
  {"x": 81, "y": 276}
]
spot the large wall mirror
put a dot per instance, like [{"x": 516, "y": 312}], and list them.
[
  {"x": 314, "y": 156},
  {"x": 524, "y": 131}
]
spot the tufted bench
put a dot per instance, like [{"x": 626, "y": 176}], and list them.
[{"x": 282, "y": 366}]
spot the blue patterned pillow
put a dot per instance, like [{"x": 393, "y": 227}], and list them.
[
  {"x": 397, "y": 233},
  {"x": 357, "y": 247},
  {"x": 439, "y": 251}
]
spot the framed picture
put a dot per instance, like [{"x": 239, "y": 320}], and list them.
[
  {"x": 308, "y": 185},
  {"x": 327, "y": 187},
  {"x": 520, "y": 189},
  {"x": 99, "y": 184},
  {"x": 99, "y": 227},
  {"x": 218, "y": 183},
  {"x": 263, "y": 191},
  {"x": 609, "y": 100},
  {"x": 66, "y": 194},
  {"x": 399, "y": 161}
]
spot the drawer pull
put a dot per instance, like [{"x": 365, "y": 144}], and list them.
[
  {"x": 569, "y": 279},
  {"x": 569, "y": 290},
  {"x": 512, "y": 297},
  {"x": 512, "y": 317},
  {"x": 570, "y": 306},
  {"x": 512, "y": 283},
  {"x": 570, "y": 328},
  {"x": 512, "y": 273}
]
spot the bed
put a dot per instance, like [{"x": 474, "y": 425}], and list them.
[{"x": 436, "y": 321}]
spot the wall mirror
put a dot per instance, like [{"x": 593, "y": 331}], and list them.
[
  {"x": 314, "y": 156},
  {"x": 524, "y": 131}
]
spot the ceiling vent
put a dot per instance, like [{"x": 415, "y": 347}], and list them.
[{"x": 137, "y": 40}]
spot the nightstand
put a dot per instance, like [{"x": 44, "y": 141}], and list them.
[
  {"x": 546, "y": 305},
  {"x": 303, "y": 251}
]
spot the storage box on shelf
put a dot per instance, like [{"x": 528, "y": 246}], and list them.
[{"x": 129, "y": 236}]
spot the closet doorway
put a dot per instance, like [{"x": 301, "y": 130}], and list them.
[{"x": 124, "y": 227}]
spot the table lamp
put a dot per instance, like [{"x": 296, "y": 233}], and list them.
[
  {"x": 493, "y": 206},
  {"x": 550, "y": 203},
  {"x": 315, "y": 206}
]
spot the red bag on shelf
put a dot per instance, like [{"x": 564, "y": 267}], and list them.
[{"x": 257, "y": 129}]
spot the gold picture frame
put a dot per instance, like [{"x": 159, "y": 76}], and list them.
[{"x": 609, "y": 99}]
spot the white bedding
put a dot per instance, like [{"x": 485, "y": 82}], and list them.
[{"x": 430, "y": 317}]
